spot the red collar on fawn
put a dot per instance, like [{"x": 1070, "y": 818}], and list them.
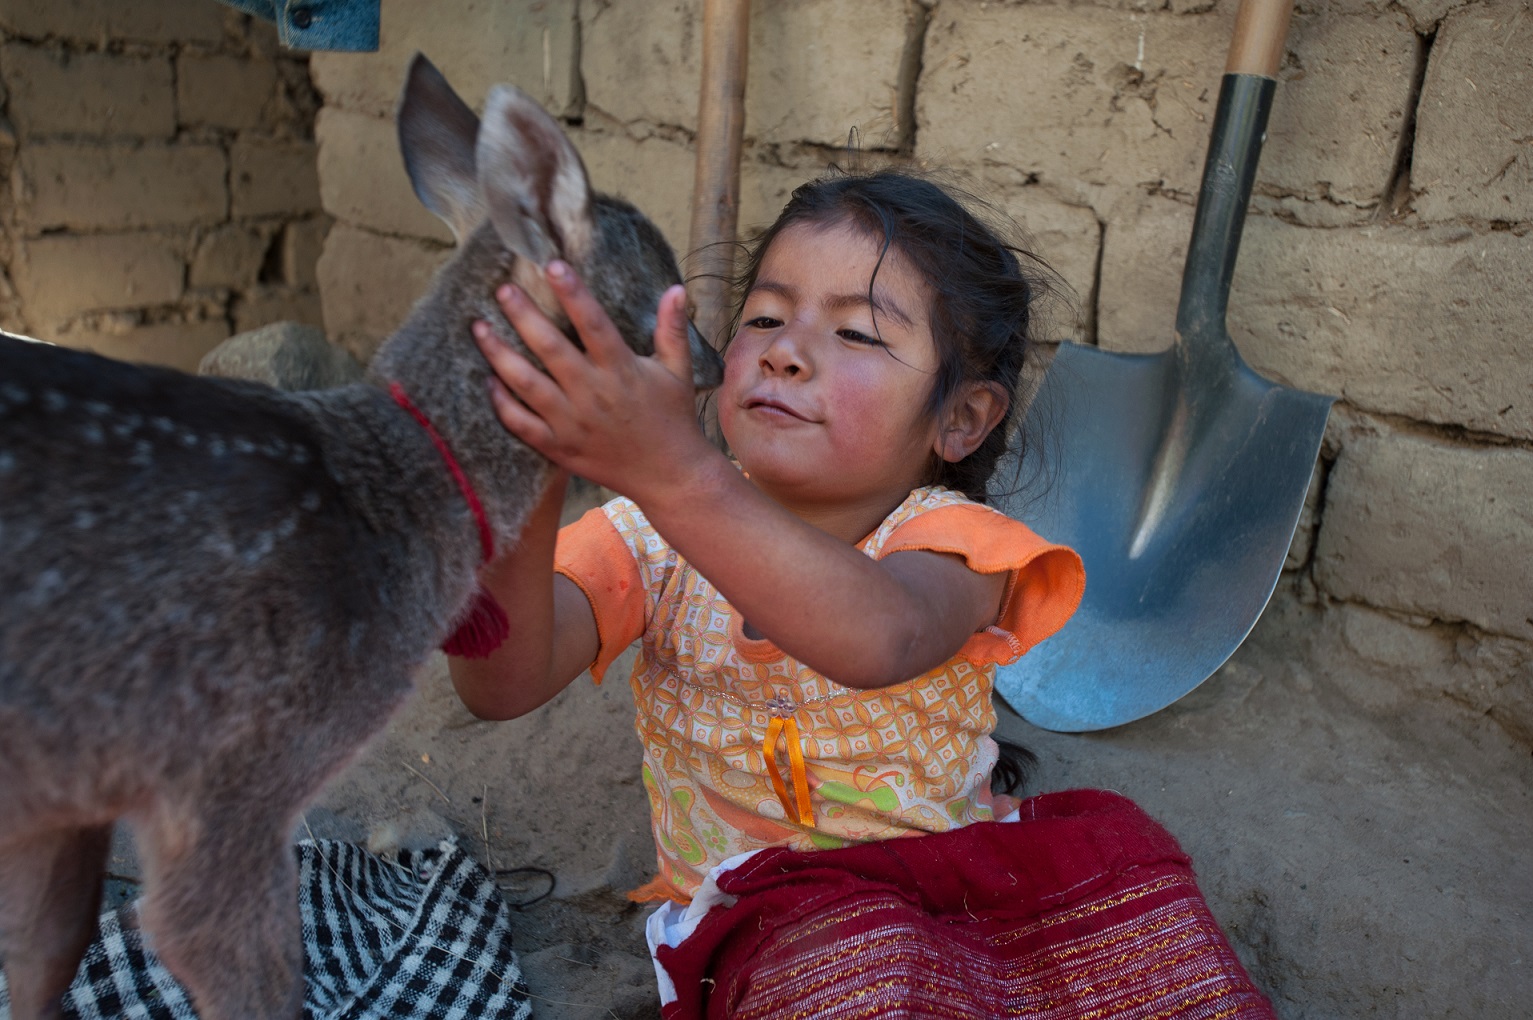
[{"x": 484, "y": 626}]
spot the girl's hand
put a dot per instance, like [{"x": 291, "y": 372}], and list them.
[{"x": 609, "y": 415}]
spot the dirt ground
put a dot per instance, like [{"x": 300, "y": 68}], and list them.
[{"x": 1365, "y": 863}]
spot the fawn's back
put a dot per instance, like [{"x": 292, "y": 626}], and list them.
[{"x": 180, "y": 560}]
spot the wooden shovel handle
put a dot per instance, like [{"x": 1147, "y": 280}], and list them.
[
  {"x": 716, "y": 184},
  {"x": 1260, "y": 28}
]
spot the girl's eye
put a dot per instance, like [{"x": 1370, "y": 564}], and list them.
[
  {"x": 762, "y": 322},
  {"x": 859, "y": 338}
]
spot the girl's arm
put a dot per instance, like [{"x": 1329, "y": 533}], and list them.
[
  {"x": 553, "y": 631},
  {"x": 629, "y": 423},
  {"x": 861, "y": 622}
]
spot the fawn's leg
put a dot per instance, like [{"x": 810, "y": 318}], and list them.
[
  {"x": 221, "y": 907},
  {"x": 50, "y": 894}
]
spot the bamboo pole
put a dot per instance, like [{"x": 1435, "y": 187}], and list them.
[{"x": 716, "y": 182}]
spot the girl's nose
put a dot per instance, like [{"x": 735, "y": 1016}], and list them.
[{"x": 784, "y": 356}]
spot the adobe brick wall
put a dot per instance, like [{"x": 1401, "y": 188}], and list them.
[{"x": 162, "y": 187}]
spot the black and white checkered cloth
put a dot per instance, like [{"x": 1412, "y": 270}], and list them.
[{"x": 426, "y": 937}]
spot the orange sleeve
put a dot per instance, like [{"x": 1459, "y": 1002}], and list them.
[
  {"x": 591, "y": 553},
  {"x": 1046, "y": 581}
]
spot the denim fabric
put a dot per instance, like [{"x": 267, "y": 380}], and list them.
[{"x": 318, "y": 24}]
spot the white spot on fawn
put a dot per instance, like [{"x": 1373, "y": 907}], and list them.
[
  {"x": 219, "y": 544},
  {"x": 127, "y": 425},
  {"x": 54, "y": 401},
  {"x": 259, "y": 549},
  {"x": 48, "y": 582},
  {"x": 85, "y": 520}
]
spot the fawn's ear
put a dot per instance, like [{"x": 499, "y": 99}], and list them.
[
  {"x": 533, "y": 180},
  {"x": 436, "y": 134}
]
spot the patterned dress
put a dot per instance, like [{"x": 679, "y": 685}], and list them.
[{"x": 745, "y": 748}]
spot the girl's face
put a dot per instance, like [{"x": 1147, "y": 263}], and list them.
[{"x": 821, "y": 406}]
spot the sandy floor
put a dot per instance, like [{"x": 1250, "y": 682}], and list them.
[{"x": 1365, "y": 862}]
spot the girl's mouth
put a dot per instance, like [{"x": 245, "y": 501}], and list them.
[{"x": 773, "y": 406}]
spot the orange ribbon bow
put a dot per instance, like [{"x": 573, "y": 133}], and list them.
[{"x": 798, "y": 806}]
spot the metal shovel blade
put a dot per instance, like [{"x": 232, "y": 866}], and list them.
[
  {"x": 1182, "y": 507},
  {"x": 1178, "y": 477}
]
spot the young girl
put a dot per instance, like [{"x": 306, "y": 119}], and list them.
[{"x": 820, "y": 619}]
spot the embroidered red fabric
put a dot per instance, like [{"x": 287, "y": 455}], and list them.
[{"x": 1085, "y": 908}]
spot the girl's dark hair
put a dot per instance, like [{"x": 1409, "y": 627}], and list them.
[
  {"x": 984, "y": 289},
  {"x": 1013, "y": 768}
]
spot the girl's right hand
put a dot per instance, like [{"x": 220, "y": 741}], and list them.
[{"x": 619, "y": 419}]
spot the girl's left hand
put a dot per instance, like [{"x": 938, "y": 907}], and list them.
[{"x": 619, "y": 419}]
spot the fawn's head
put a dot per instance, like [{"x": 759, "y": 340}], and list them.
[{"x": 517, "y": 174}]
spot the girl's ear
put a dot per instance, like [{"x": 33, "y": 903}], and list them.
[{"x": 970, "y": 415}]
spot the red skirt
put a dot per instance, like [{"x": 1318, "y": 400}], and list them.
[{"x": 1085, "y": 908}]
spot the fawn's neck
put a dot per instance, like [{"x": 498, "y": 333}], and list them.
[{"x": 432, "y": 358}]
